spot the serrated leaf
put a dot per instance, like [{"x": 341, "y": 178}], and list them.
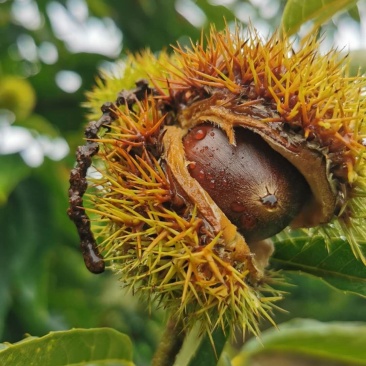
[
  {"x": 307, "y": 342},
  {"x": 297, "y": 12},
  {"x": 338, "y": 267},
  {"x": 102, "y": 346}
]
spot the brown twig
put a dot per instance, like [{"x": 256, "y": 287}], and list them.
[
  {"x": 78, "y": 182},
  {"x": 78, "y": 185}
]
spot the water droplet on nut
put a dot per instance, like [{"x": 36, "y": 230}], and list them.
[{"x": 199, "y": 134}]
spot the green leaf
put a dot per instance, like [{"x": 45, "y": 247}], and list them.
[
  {"x": 297, "y": 12},
  {"x": 206, "y": 355},
  {"x": 216, "y": 14},
  {"x": 355, "y": 13},
  {"x": 100, "y": 346},
  {"x": 13, "y": 170},
  {"x": 357, "y": 61},
  {"x": 28, "y": 237},
  {"x": 17, "y": 95},
  {"x": 307, "y": 342},
  {"x": 39, "y": 124},
  {"x": 338, "y": 267},
  {"x": 199, "y": 349}
]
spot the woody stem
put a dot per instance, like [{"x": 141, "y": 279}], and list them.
[{"x": 170, "y": 344}]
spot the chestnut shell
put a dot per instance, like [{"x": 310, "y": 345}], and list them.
[{"x": 260, "y": 191}]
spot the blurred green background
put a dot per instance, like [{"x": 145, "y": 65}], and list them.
[{"x": 50, "y": 54}]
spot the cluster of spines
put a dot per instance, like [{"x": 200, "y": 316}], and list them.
[
  {"x": 313, "y": 93},
  {"x": 157, "y": 251},
  {"x": 152, "y": 246},
  {"x": 308, "y": 90}
]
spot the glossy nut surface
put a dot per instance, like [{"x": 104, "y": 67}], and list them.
[{"x": 256, "y": 188}]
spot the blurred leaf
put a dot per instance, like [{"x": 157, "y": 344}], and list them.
[
  {"x": 29, "y": 237},
  {"x": 4, "y": 15},
  {"x": 355, "y": 13},
  {"x": 101, "y": 346},
  {"x": 224, "y": 360},
  {"x": 17, "y": 95},
  {"x": 99, "y": 8},
  {"x": 50, "y": 255},
  {"x": 40, "y": 125},
  {"x": 297, "y": 12},
  {"x": 146, "y": 29},
  {"x": 308, "y": 296},
  {"x": 307, "y": 343},
  {"x": 199, "y": 349},
  {"x": 216, "y": 14},
  {"x": 357, "y": 61},
  {"x": 13, "y": 170},
  {"x": 205, "y": 354},
  {"x": 337, "y": 267}
]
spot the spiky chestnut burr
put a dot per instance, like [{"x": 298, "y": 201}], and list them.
[{"x": 161, "y": 227}]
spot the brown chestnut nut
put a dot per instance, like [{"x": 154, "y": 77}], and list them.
[{"x": 257, "y": 189}]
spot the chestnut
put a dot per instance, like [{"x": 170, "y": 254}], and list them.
[
  {"x": 257, "y": 189},
  {"x": 213, "y": 150}
]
